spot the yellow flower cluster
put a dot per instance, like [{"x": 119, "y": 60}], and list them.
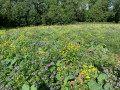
[
  {"x": 88, "y": 71},
  {"x": 70, "y": 46},
  {"x": 26, "y": 28},
  {"x": 2, "y": 32},
  {"x": 18, "y": 78},
  {"x": 87, "y": 77},
  {"x": 13, "y": 47},
  {"x": 41, "y": 52},
  {"x": 24, "y": 49},
  {"x": 67, "y": 31},
  {"x": 61, "y": 68},
  {"x": 6, "y": 43},
  {"x": 45, "y": 39},
  {"x": 29, "y": 34},
  {"x": 101, "y": 36},
  {"x": 21, "y": 38},
  {"x": 73, "y": 46}
]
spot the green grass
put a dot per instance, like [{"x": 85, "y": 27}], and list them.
[{"x": 67, "y": 57}]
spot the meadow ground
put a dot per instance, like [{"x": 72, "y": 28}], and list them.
[{"x": 68, "y": 57}]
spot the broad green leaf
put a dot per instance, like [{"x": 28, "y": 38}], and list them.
[
  {"x": 58, "y": 63},
  {"x": 25, "y": 87},
  {"x": 108, "y": 85},
  {"x": 33, "y": 88},
  {"x": 93, "y": 85},
  {"x": 96, "y": 75},
  {"x": 66, "y": 88},
  {"x": 39, "y": 49},
  {"x": 37, "y": 78},
  {"x": 58, "y": 77},
  {"x": 1, "y": 57},
  {"x": 77, "y": 72},
  {"x": 70, "y": 77},
  {"x": 102, "y": 77}
]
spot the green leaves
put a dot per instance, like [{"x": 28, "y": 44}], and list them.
[
  {"x": 8, "y": 62},
  {"x": 77, "y": 72},
  {"x": 58, "y": 77},
  {"x": 25, "y": 87},
  {"x": 108, "y": 85},
  {"x": 33, "y": 87},
  {"x": 68, "y": 78},
  {"x": 37, "y": 78},
  {"x": 102, "y": 77},
  {"x": 93, "y": 84},
  {"x": 58, "y": 63},
  {"x": 1, "y": 57}
]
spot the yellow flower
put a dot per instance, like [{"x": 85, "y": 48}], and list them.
[
  {"x": 80, "y": 69},
  {"x": 87, "y": 77},
  {"x": 87, "y": 74},
  {"x": 94, "y": 70},
  {"x": 45, "y": 39},
  {"x": 17, "y": 78},
  {"x": 84, "y": 66},
  {"x": 59, "y": 69},
  {"x": 64, "y": 67},
  {"x": 41, "y": 52},
  {"x": 90, "y": 66},
  {"x": 83, "y": 72},
  {"x": 62, "y": 52},
  {"x": 65, "y": 82},
  {"x": 89, "y": 70}
]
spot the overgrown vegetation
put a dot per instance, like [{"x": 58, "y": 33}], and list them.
[
  {"x": 72, "y": 57},
  {"x": 48, "y": 12}
]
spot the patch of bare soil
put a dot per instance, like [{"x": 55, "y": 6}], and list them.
[{"x": 80, "y": 78}]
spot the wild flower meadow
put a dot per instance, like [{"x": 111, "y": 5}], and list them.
[{"x": 71, "y": 57}]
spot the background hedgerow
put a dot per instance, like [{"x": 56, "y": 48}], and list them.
[{"x": 15, "y": 13}]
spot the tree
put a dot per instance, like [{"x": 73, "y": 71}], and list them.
[
  {"x": 116, "y": 9},
  {"x": 19, "y": 14},
  {"x": 40, "y": 6},
  {"x": 99, "y": 11},
  {"x": 33, "y": 17}
]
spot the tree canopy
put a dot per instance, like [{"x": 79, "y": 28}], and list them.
[{"x": 36, "y": 12}]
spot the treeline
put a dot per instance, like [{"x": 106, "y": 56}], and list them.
[{"x": 36, "y": 12}]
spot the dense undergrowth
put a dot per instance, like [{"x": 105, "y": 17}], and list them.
[{"x": 71, "y": 57}]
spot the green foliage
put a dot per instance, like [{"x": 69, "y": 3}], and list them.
[
  {"x": 102, "y": 77},
  {"x": 98, "y": 11},
  {"x": 34, "y": 17},
  {"x": 25, "y": 87},
  {"x": 99, "y": 85},
  {"x": 33, "y": 87},
  {"x": 69, "y": 57},
  {"x": 19, "y": 14},
  {"x": 36, "y": 12}
]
